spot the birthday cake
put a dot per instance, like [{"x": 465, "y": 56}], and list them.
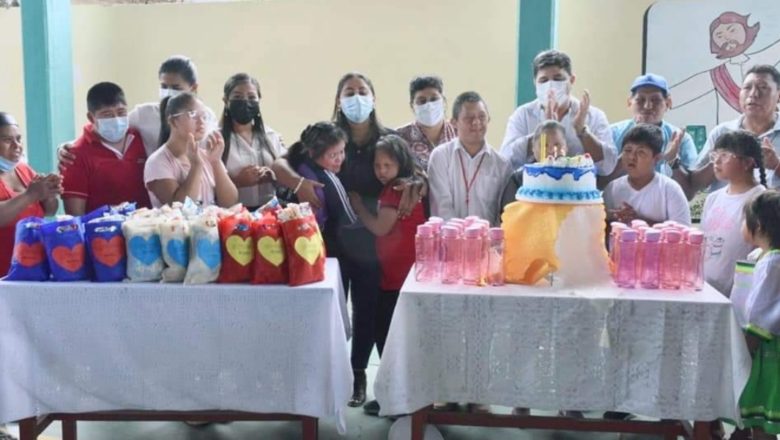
[{"x": 564, "y": 180}]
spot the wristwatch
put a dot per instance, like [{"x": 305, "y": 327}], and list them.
[{"x": 674, "y": 163}]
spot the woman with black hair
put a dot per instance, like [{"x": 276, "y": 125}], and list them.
[{"x": 250, "y": 146}]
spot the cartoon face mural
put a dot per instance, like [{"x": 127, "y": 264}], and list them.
[{"x": 730, "y": 34}]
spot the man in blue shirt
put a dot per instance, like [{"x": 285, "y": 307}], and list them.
[{"x": 649, "y": 102}]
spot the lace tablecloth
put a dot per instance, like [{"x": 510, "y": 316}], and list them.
[
  {"x": 82, "y": 347},
  {"x": 664, "y": 354}
]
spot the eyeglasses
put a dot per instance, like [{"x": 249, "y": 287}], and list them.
[
  {"x": 722, "y": 157},
  {"x": 193, "y": 114}
]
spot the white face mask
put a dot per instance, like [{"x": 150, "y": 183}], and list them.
[
  {"x": 164, "y": 93},
  {"x": 357, "y": 108},
  {"x": 560, "y": 91},
  {"x": 430, "y": 113},
  {"x": 112, "y": 129}
]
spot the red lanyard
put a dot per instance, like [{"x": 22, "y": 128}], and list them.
[{"x": 466, "y": 182}]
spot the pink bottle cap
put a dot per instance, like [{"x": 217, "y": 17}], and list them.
[
  {"x": 637, "y": 223},
  {"x": 455, "y": 225},
  {"x": 495, "y": 233},
  {"x": 425, "y": 230},
  {"x": 473, "y": 232},
  {"x": 456, "y": 220},
  {"x": 450, "y": 232},
  {"x": 652, "y": 235},
  {"x": 672, "y": 236},
  {"x": 696, "y": 237},
  {"x": 435, "y": 226},
  {"x": 435, "y": 219},
  {"x": 628, "y": 235}
]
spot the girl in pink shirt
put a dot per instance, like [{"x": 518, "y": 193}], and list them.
[{"x": 179, "y": 168}]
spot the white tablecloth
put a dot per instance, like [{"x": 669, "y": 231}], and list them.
[
  {"x": 80, "y": 347},
  {"x": 663, "y": 354}
]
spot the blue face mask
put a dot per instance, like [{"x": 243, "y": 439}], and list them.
[
  {"x": 112, "y": 129},
  {"x": 357, "y": 108},
  {"x": 6, "y": 165}
]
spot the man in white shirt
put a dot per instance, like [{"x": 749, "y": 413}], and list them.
[
  {"x": 758, "y": 99},
  {"x": 644, "y": 193},
  {"x": 587, "y": 128},
  {"x": 466, "y": 175}
]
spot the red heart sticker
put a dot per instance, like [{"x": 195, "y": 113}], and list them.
[
  {"x": 29, "y": 255},
  {"x": 69, "y": 259},
  {"x": 108, "y": 252}
]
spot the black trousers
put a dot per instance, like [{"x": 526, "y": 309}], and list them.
[
  {"x": 361, "y": 277},
  {"x": 384, "y": 316}
]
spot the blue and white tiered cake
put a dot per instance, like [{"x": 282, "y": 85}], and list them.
[{"x": 563, "y": 180}]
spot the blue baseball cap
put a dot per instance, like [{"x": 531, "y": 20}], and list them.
[{"x": 650, "y": 80}]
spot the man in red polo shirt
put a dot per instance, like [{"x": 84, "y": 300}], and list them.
[{"x": 110, "y": 156}]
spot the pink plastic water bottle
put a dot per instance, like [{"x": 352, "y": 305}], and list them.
[
  {"x": 672, "y": 254},
  {"x": 625, "y": 274},
  {"x": 614, "y": 236},
  {"x": 649, "y": 276},
  {"x": 694, "y": 261},
  {"x": 474, "y": 254},
  {"x": 451, "y": 255},
  {"x": 436, "y": 225},
  {"x": 425, "y": 254},
  {"x": 495, "y": 276}
]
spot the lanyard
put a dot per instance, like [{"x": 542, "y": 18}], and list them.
[{"x": 466, "y": 182}]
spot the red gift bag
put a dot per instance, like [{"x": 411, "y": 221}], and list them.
[
  {"x": 305, "y": 248},
  {"x": 270, "y": 266},
  {"x": 237, "y": 245}
]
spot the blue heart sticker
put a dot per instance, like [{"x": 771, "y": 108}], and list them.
[
  {"x": 179, "y": 250},
  {"x": 147, "y": 251},
  {"x": 209, "y": 252}
]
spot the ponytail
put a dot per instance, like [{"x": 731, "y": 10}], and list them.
[{"x": 165, "y": 129}]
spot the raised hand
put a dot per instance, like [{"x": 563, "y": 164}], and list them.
[
  {"x": 581, "y": 118},
  {"x": 215, "y": 146},
  {"x": 674, "y": 146},
  {"x": 771, "y": 161}
]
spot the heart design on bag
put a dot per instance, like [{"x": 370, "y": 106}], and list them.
[
  {"x": 309, "y": 248},
  {"x": 271, "y": 250},
  {"x": 240, "y": 249},
  {"x": 108, "y": 252},
  {"x": 29, "y": 255},
  {"x": 70, "y": 259},
  {"x": 208, "y": 251},
  {"x": 145, "y": 250},
  {"x": 179, "y": 252}
]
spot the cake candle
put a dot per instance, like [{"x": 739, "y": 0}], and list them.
[{"x": 543, "y": 142}]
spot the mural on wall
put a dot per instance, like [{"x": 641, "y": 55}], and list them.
[{"x": 704, "y": 49}]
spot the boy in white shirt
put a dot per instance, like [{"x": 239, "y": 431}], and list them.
[
  {"x": 466, "y": 175},
  {"x": 643, "y": 193}
]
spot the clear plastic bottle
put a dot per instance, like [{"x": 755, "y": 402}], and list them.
[
  {"x": 625, "y": 272},
  {"x": 452, "y": 255},
  {"x": 694, "y": 261},
  {"x": 649, "y": 275},
  {"x": 672, "y": 254},
  {"x": 474, "y": 254},
  {"x": 495, "y": 275},
  {"x": 425, "y": 254}
]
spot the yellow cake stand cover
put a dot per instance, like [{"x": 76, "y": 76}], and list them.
[{"x": 542, "y": 238}]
